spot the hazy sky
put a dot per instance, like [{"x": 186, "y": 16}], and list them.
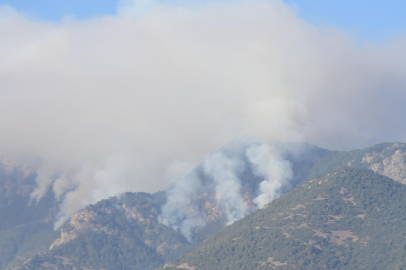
[
  {"x": 133, "y": 100},
  {"x": 371, "y": 20}
]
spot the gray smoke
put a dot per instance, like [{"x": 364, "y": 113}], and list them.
[
  {"x": 132, "y": 101},
  {"x": 267, "y": 161},
  {"x": 181, "y": 210},
  {"x": 227, "y": 186},
  {"x": 225, "y": 170}
]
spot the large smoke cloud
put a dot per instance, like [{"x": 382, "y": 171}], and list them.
[{"x": 119, "y": 103}]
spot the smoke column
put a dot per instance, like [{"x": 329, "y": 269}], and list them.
[
  {"x": 116, "y": 103},
  {"x": 180, "y": 210},
  {"x": 224, "y": 170},
  {"x": 267, "y": 162}
]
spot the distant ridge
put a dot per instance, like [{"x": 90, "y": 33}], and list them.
[{"x": 125, "y": 232}]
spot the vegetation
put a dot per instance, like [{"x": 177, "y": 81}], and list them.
[
  {"x": 333, "y": 160},
  {"x": 334, "y": 222},
  {"x": 350, "y": 219},
  {"x": 124, "y": 239}
]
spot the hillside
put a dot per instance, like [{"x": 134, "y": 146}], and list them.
[
  {"x": 350, "y": 219},
  {"x": 126, "y": 232},
  {"x": 94, "y": 236},
  {"x": 117, "y": 233},
  {"x": 114, "y": 234},
  {"x": 388, "y": 159},
  {"x": 26, "y": 228}
]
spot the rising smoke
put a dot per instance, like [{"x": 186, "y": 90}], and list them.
[
  {"x": 116, "y": 103},
  {"x": 267, "y": 161},
  {"x": 225, "y": 172},
  {"x": 182, "y": 210}
]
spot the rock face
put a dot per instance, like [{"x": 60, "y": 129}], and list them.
[
  {"x": 391, "y": 163},
  {"x": 79, "y": 222}
]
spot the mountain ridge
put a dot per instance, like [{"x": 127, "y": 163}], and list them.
[{"x": 137, "y": 216}]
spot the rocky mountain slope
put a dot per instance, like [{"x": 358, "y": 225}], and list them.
[
  {"x": 114, "y": 234},
  {"x": 127, "y": 232},
  {"x": 387, "y": 159}
]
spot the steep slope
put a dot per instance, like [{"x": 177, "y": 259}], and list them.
[
  {"x": 25, "y": 228},
  {"x": 388, "y": 159},
  {"x": 118, "y": 233},
  {"x": 350, "y": 219}
]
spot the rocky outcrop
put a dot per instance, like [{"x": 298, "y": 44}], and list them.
[
  {"x": 79, "y": 222},
  {"x": 390, "y": 163}
]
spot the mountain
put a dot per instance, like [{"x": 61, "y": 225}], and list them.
[
  {"x": 128, "y": 232},
  {"x": 352, "y": 218},
  {"x": 93, "y": 237},
  {"x": 26, "y": 227},
  {"x": 388, "y": 159},
  {"x": 117, "y": 233}
]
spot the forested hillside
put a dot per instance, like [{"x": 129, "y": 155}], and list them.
[{"x": 349, "y": 219}]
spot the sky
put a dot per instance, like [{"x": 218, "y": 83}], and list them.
[
  {"x": 56, "y": 10},
  {"x": 131, "y": 97},
  {"x": 368, "y": 21},
  {"x": 373, "y": 20}
]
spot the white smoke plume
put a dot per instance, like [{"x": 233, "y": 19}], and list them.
[
  {"x": 227, "y": 186},
  {"x": 180, "y": 210},
  {"x": 225, "y": 172},
  {"x": 114, "y": 103},
  {"x": 267, "y": 162}
]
